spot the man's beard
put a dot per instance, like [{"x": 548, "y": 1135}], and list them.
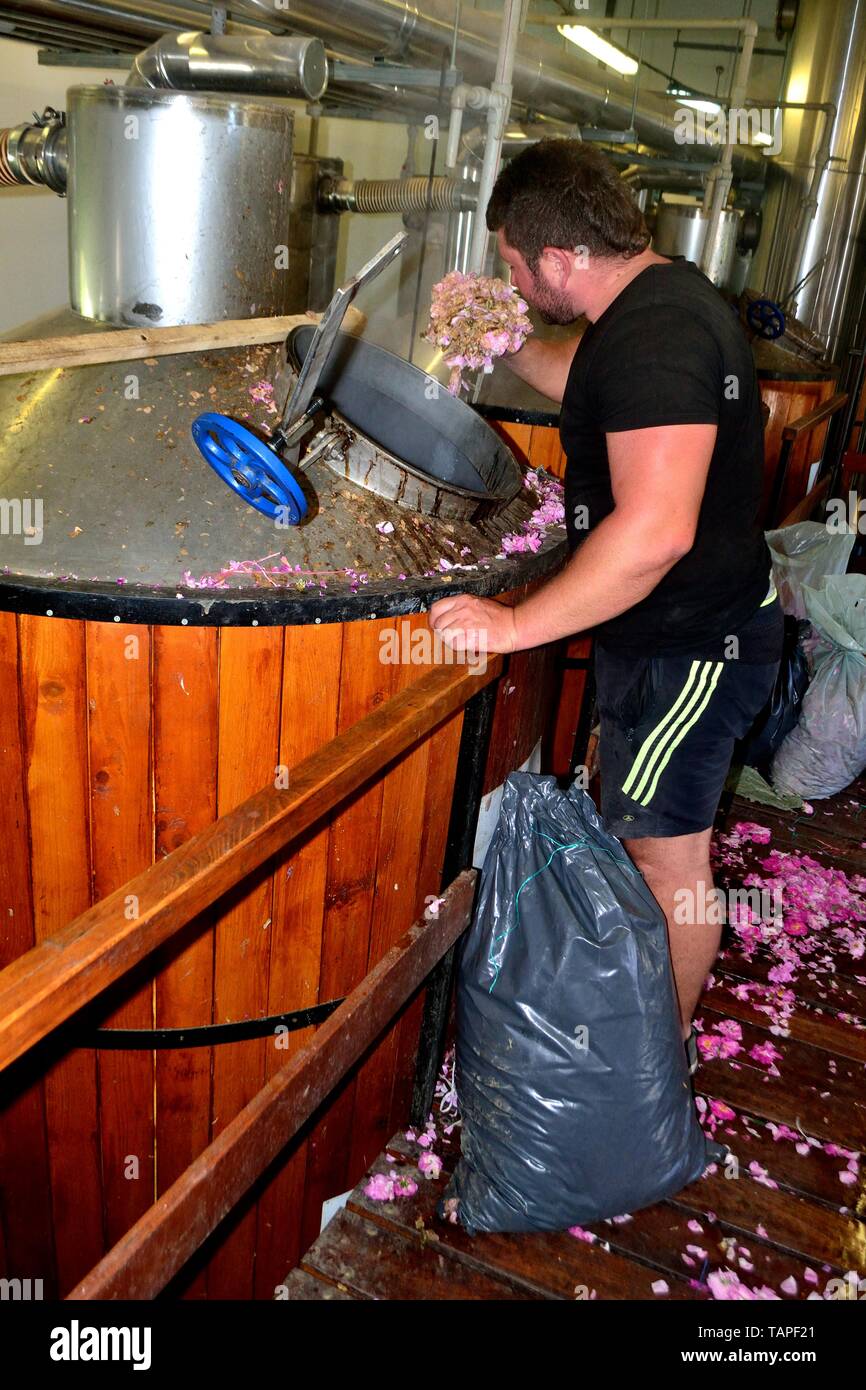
[{"x": 552, "y": 306}]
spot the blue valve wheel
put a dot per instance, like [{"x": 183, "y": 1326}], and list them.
[
  {"x": 766, "y": 318},
  {"x": 250, "y": 467}
]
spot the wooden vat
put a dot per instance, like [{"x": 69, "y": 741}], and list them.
[{"x": 131, "y": 718}]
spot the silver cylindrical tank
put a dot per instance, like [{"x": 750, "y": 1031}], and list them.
[
  {"x": 179, "y": 206},
  {"x": 680, "y": 231},
  {"x": 826, "y": 63}
]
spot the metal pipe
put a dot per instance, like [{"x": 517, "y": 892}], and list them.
[
  {"x": 809, "y": 205},
  {"x": 497, "y": 117},
  {"x": 721, "y": 186},
  {"x": 544, "y": 79},
  {"x": 35, "y": 152},
  {"x": 263, "y": 63},
  {"x": 396, "y": 195}
]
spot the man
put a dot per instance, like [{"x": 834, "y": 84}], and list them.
[{"x": 661, "y": 426}]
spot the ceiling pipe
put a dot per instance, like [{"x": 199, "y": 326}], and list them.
[
  {"x": 720, "y": 179},
  {"x": 544, "y": 77},
  {"x": 546, "y": 80},
  {"x": 263, "y": 63}
]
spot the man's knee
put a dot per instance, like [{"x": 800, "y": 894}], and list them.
[{"x": 674, "y": 855}]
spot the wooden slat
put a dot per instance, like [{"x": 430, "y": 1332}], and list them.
[
  {"x": 129, "y": 344},
  {"x": 185, "y": 692},
  {"x": 24, "y": 1179},
  {"x": 311, "y": 682},
  {"x": 303, "y": 1287},
  {"x": 804, "y": 509},
  {"x": 828, "y": 1106},
  {"x": 815, "y": 417},
  {"x": 372, "y": 1261},
  {"x": 661, "y": 1234},
  {"x": 545, "y": 450},
  {"x": 804, "y": 1025},
  {"x": 813, "y": 1174},
  {"x": 550, "y": 1264},
  {"x": 404, "y": 800},
  {"x": 48, "y": 984},
  {"x": 807, "y": 1229},
  {"x": 517, "y": 437},
  {"x": 352, "y": 856},
  {"x": 159, "y": 1245},
  {"x": 444, "y": 750},
  {"x": 250, "y": 679},
  {"x": 55, "y": 736},
  {"x": 119, "y": 736}
]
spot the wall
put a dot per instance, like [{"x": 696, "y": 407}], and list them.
[{"x": 33, "y": 273}]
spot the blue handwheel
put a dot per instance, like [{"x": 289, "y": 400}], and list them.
[
  {"x": 765, "y": 318},
  {"x": 249, "y": 467}
]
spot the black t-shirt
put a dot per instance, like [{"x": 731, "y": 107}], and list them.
[{"x": 670, "y": 351}]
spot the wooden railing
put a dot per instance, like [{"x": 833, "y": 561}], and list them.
[
  {"x": 790, "y": 434},
  {"x": 44, "y": 987}
]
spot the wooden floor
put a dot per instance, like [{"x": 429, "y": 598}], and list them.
[{"x": 789, "y": 1222}]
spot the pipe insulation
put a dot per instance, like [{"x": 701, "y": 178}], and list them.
[{"x": 261, "y": 63}]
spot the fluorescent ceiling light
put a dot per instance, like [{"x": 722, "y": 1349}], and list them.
[
  {"x": 710, "y": 108},
  {"x": 761, "y": 138},
  {"x": 515, "y": 135},
  {"x": 594, "y": 44}
]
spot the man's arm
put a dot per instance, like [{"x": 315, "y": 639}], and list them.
[
  {"x": 658, "y": 478},
  {"x": 544, "y": 365}
]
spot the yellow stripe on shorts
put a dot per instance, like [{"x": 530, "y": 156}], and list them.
[{"x": 671, "y": 728}]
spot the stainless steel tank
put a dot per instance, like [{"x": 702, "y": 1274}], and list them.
[
  {"x": 680, "y": 231},
  {"x": 179, "y": 207}
]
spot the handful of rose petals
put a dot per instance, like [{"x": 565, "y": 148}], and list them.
[{"x": 475, "y": 318}]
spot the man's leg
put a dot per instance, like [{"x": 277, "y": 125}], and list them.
[{"x": 671, "y": 865}]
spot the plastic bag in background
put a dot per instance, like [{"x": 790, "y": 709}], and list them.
[
  {"x": 827, "y": 749},
  {"x": 570, "y": 1068},
  {"x": 782, "y": 710},
  {"x": 803, "y": 554}
]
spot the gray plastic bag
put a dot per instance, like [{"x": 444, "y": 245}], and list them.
[
  {"x": 570, "y": 1068},
  {"x": 803, "y": 554},
  {"x": 827, "y": 749}
]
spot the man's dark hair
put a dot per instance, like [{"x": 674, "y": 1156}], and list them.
[{"x": 565, "y": 193}]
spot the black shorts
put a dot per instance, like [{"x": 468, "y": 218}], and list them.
[{"x": 669, "y": 725}]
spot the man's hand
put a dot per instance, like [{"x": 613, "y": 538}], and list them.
[{"x": 474, "y": 624}]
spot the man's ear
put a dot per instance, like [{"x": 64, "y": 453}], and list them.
[{"x": 558, "y": 265}]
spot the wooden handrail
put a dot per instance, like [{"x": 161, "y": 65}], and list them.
[
  {"x": 160, "y": 1243},
  {"x": 815, "y": 417},
  {"x": 45, "y": 986},
  {"x": 130, "y": 344},
  {"x": 807, "y": 505}
]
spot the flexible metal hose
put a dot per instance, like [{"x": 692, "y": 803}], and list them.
[{"x": 397, "y": 195}]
